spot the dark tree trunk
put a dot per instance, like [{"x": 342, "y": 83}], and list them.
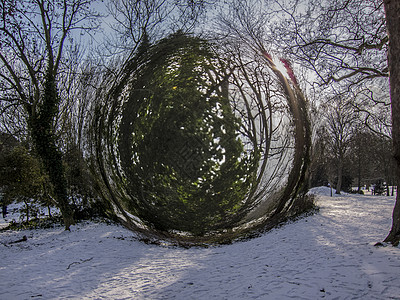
[
  {"x": 27, "y": 210},
  {"x": 340, "y": 175},
  {"x": 49, "y": 209},
  {"x": 4, "y": 210},
  {"x": 42, "y": 131},
  {"x": 392, "y": 8},
  {"x": 359, "y": 171}
]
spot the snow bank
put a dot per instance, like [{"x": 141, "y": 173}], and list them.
[{"x": 325, "y": 191}]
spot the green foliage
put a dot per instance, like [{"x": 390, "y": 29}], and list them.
[
  {"x": 186, "y": 166},
  {"x": 22, "y": 179},
  {"x": 190, "y": 142},
  {"x": 21, "y": 175}
]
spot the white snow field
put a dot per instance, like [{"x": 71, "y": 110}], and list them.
[{"x": 328, "y": 255}]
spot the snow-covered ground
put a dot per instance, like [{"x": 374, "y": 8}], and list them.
[
  {"x": 14, "y": 213},
  {"x": 328, "y": 255}
]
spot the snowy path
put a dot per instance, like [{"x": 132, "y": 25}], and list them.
[{"x": 329, "y": 255}]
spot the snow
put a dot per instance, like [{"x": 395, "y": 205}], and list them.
[
  {"x": 15, "y": 215},
  {"x": 328, "y": 255}
]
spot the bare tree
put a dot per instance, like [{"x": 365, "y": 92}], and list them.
[
  {"x": 340, "y": 121},
  {"x": 34, "y": 38},
  {"x": 247, "y": 22},
  {"x": 341, "y": 40},
  {"x": 132, "y": 21},
  {"x": 343, "y": 43},
  {"x": 347, "y": 43}
]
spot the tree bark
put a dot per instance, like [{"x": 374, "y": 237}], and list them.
[
  {"x": 41, "y": 123},
  {"x": 340, "y": 175},
  {"x": 392, "y": 9},
  {"x": 27, "y": 211}
]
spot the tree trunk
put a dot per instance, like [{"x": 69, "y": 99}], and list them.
[
  {"x": 49, "y": 209},
  {"x": 43, "y": 136},
  {"x": 359, "y": 174},
  {"x": 392, "y": 9},
  {"x": 27, "y": 211},
  {"x": 4, "y": 210},
  {"x": 340, "y": 174}
]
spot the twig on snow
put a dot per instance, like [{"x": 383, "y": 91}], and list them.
[{"x": 79, "y": 262}]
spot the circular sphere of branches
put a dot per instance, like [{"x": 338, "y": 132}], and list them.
[{"x": 193, "y": 143}]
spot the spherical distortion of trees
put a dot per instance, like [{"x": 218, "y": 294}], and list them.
[{"x": 194, "y": 144}]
